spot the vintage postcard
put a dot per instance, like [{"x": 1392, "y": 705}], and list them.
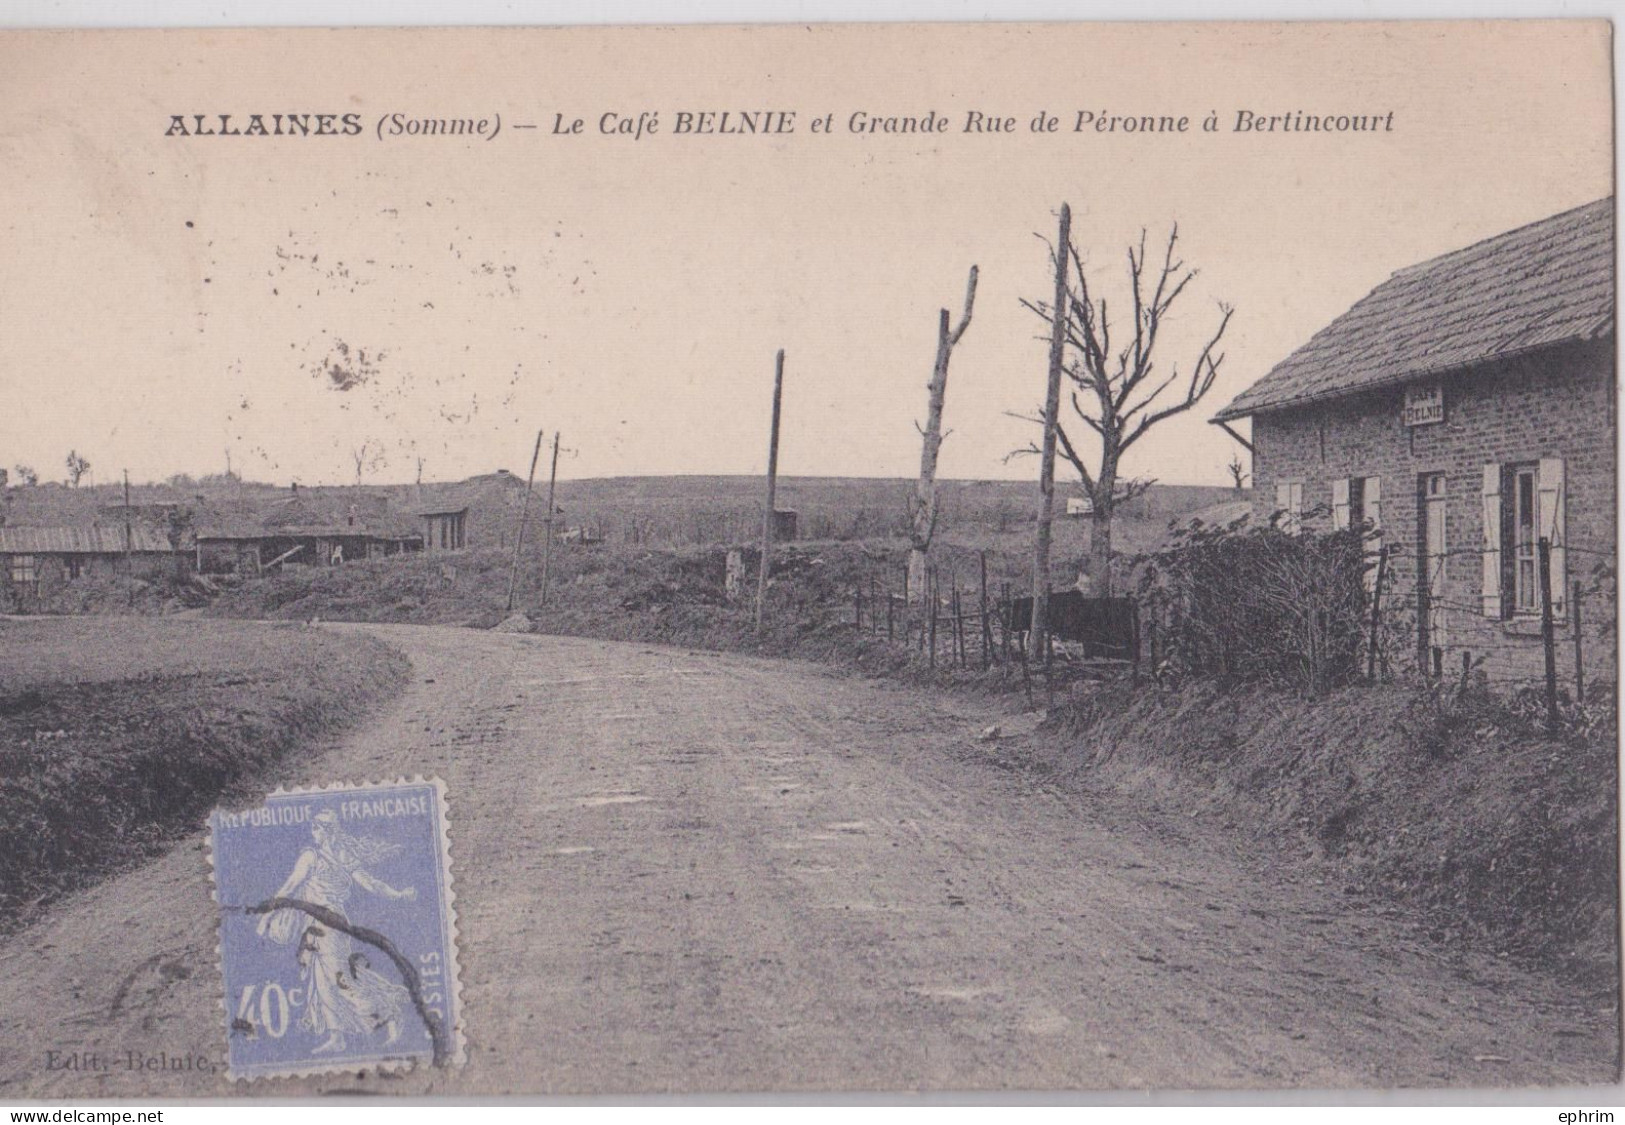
[{"x": 1067, "y": 557}]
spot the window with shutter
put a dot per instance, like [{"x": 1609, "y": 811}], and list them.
[
  {"x": 1294, "y": 507},
  {"x": 1340, "y": 504}
]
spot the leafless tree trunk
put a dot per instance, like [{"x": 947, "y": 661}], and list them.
[
  {"x": 1115, "y": 392},
  {"x": 923, "y": 504},
  {"x": 1238, "y": 472}
]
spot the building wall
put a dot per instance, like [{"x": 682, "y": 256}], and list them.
[
  {"x": 52, "y": 574},
  {"x": 1555, "y": 404}
]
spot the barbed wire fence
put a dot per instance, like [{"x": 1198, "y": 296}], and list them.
[{"x": 1291, "y": 606}]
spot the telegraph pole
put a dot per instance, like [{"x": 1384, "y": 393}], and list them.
[
  {"x": 547, "y": 547},
  {"x": 1039, "y": 626},
  {"x": 524, "y": 516},
  {"x": 772, "y": 486}
]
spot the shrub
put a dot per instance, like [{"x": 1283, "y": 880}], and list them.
[{"x": 1258, "y": 604}]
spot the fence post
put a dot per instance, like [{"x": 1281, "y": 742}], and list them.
[
  {"x": 1579, "y": 656},
  {"x": 959, "y": 626},
  {"x": 888, "y": 616},
  {"x": 1135, "y": 652},
  {"x": 1026, "y": 675},
  {"x": 931, "y": 599},
  {"x": 857, "y": 609},
  {"x": 1049, "y": 664},
  {"x": 987, "y": 626},
  {"x": 1005, "y": 621},
  {"x": 1547, "y": 636},
  {"x": 1376, "y": 612}
]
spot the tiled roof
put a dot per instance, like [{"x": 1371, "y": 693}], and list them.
[
  {"x": 80, "y": 541},
  {"x": 1545, "y": 283}
]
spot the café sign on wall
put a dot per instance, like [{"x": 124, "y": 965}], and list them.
[{"x": 1424, "y": 405}]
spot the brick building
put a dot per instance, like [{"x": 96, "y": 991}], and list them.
[{"x": 1465, "y": 409}]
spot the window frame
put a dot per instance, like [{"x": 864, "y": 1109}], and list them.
[
  {"x": 23, "y": 570},
  {"x": 1521, "y": 590}
]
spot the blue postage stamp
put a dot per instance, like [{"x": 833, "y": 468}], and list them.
[{"x": 338, "y": 938}]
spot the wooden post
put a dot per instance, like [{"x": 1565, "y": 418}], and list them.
[
  {"x": 873, "y": 619},
  {"x": 931, "y": 602},
  {"x": 987, "y": 626},
  {"x": 129, "y": 542},
  {"x": 1005, "y": 623},
  {"x": 1376, "y": 613},
  {"x": 1134, "y": 652},
  {"x": 772, "y": 488},
  {"x": 1547, "y": 635},
  {"x": 1026, "y": 675},
  {"x": 1046, "y": 463},
  {"x": 959, "y": 622},
  {"x": 524, "y": 517},
  {"x": 547, "y": 523},
  {"x": 857, "y": 608},
  {"x": 888, "y": 616},
  {"x": 1579, "y": 656}
]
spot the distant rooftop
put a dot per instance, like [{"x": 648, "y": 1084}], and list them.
[{"x": 80, "y": 541}]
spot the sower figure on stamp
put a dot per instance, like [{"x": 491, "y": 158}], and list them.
[{"x": 343, "y": 995}]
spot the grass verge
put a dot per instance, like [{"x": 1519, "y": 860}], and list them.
[
  {"x": 1460, "y": 805},
  {"x": 118, "y": 735}
]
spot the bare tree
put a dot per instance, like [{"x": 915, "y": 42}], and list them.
[
  {"x": 368, "y": 456},
  {"x": 77, "y": 467},
  {"x": 923, "y": 501},
  {"x": 1238, "y": 471},
  {"x": 1117, "y": 391}
]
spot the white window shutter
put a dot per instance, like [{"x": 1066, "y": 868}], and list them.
[
  {"x": 1340, "y": 504},
  {"x": 1492, "y": 542},
  {"x": 1283, "y": 504},
  {"x": 1553, "y": 527}
]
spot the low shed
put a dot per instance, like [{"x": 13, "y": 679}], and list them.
[{"x": 34, "y": 561}]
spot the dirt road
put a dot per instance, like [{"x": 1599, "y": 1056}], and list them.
[{"x": 687, "y": 872}]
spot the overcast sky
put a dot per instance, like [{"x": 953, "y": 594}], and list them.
[{"x": 165, "y": 299}]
